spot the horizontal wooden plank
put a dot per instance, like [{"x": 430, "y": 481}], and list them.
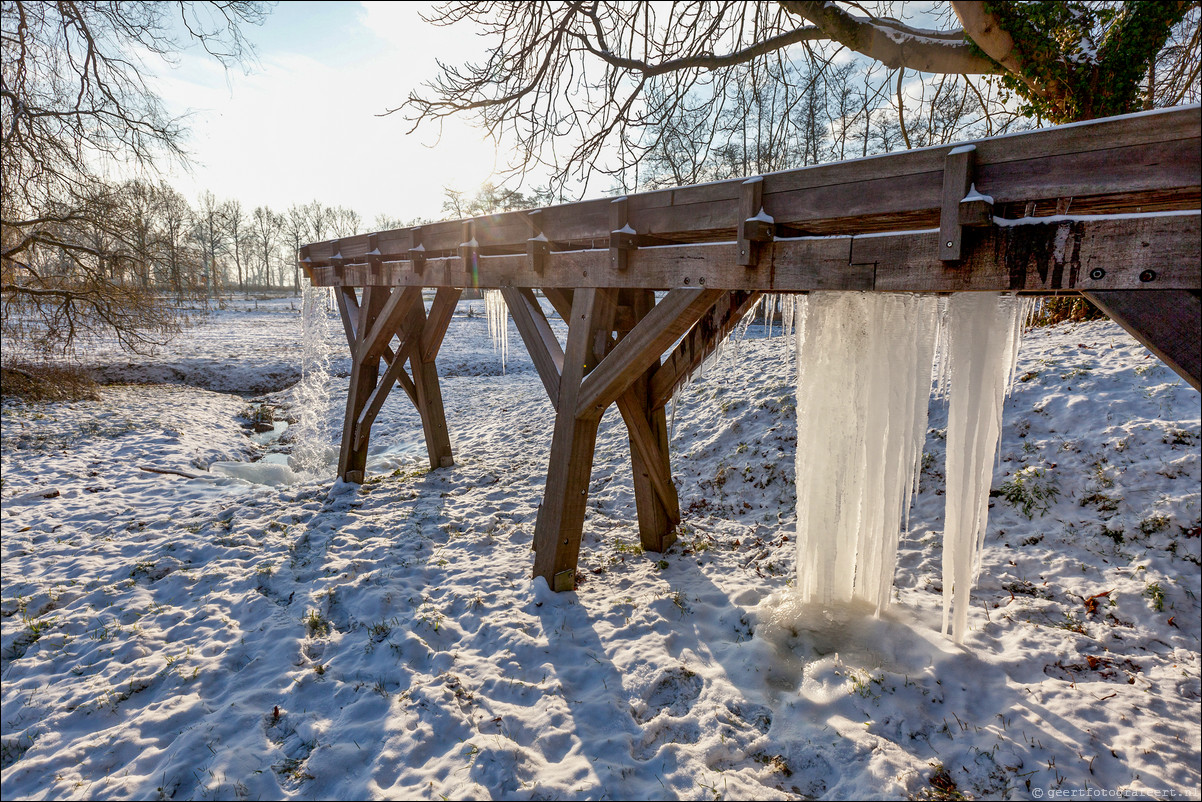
[
  {"x": 1040, "y": 254},
  {"x": 1045, "y": 254},
  {"x": 1157, "y": 165}
]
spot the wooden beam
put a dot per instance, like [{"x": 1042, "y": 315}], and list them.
[
  {"x": 541, "y": 343},
  {"x": 642, "y": 348},
  {"x": 348, "y": 310},
  {"x": 1059, "y": 254},
  {"x": 352, "y": 457},
  {"x": 560, "y": 300},
  {"x": 560, "y": 523},
  {"x": 1167, "y": 322},
  {"x": 699, "y": 343}
]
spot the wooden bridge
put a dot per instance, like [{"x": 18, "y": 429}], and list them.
[{"x": 1108, "y": 208}]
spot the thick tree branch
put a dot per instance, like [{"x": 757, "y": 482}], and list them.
[{"x": 893, "y": 44}]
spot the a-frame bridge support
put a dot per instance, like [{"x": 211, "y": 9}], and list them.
[
  {"x": 616, "y": 338},
  {"x": 371, "y": 324}
]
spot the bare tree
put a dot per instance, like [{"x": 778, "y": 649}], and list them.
[
  {"x": 73, "y": 104},
  {"x": 490, "y": 198},
  {"x": 236, "y": 228},
  {"x": 296, "y": 232},
  {"x": 211, "y": 234},
  {"x": 345, "y": 222},
  {"x": 574, "y": 85},
  {"x": 265, "y": 227},
  {"x": 179, "y": 255}
]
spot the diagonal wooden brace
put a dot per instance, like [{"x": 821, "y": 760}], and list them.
[
  {"x": 642, "y": 347},
  {"x": 536, "y": 333}
]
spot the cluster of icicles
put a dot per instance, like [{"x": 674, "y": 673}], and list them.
[
  {"x": 498, "y": 323},
  {"x": 866, "y": 364}
]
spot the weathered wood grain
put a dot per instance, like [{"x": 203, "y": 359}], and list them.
[
  {"x": 1167, "y": 322},
  {"x": 642, "y": 347}
]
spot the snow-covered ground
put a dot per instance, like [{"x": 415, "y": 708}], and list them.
[{"x": 212, "y": 637}]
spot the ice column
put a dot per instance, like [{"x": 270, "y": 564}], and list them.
[
  {"x": 976, "y": 370},
  {"x": 312, "y": 438},
  {"x": 864, "y": 363},
  {"x": 498, "y": 323}
]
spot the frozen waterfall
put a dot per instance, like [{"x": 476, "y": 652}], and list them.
[{"x": 865, "y": 367}]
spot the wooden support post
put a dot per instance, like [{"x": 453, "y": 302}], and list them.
[
  {"x": 654, "y": 492},
  {"x": 561, "y": 517},
  {"x": 538, "y": 247},
  {"x": 428, "y": 390},
  {"x": 755, "y": 226},
  {"x": 365, "y": 371},
  {"x": 469, "y": 252},
  {"x": 375, "y": 264},
  {"x": 957, "y": 178},
  {"x": 417, "y": 251}
]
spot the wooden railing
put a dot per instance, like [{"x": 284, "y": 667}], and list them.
[{"x": 821, "y": 227}]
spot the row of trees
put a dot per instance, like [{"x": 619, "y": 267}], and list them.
[{"x": 154, "y": 238}]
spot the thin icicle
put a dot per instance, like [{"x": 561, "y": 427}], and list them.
[{"x": 498, "y": 323}]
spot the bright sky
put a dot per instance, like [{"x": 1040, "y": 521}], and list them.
[{"x": 303, "y": 124}]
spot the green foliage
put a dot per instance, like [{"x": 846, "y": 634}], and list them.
[
  {"x": 1155, "y": 594},
  {"x": 1031, "y": 490},
  {"x": 317, "y": 624},
  {"x": 1156, "y": 522},
  {"x": 1081, "y": 60}
]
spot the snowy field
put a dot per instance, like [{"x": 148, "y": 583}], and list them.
[{"x": 220, "y": 637}]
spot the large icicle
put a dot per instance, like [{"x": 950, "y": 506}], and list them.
[
  {"x": 864, "y": 377},
  {"x": 311, "y": 438},
  {"x": 982, "y": 341},
  {"x": 498, "y": 323}
]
